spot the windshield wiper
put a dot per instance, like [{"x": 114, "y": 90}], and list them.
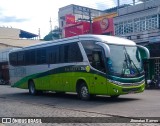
[{"x": 127, "y": 57}]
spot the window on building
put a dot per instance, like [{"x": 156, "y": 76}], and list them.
[
  {"x": 136, "y": 25},
  {"x": 142, "y": 24},
  {"x": 128, "y": 27},
  {"x": 119, "y": 29},
  {"x": 155, "y": 21},
  {"x": 151, "y": 22}
]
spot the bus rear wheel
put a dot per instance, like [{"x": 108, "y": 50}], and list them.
[
  {"x": 32, "y": 89},
  {"x": 83, "y": 92}
]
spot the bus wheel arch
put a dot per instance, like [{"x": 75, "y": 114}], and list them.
[
  {"x": 82, "y": 90},
  {"x": 31, "y": 87}
]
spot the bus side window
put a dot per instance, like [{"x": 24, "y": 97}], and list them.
[
  {"x": 74, "y": 53},
  {"x": 52, "y": 55},
  {"x": 41, "y": 54},
  {"x": 90, "y": 58},
  {"x": 94, "y": 54},
  {"x": 13, "y": 58},
  {"x": 30, "y": 57},
  {"x": 20, "y": 58}
]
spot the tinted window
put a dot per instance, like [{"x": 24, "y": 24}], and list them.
[
  {"x": 74, "y": 53},
  {"x": 61, "y": 54},
  {"x": 30, "y": 57},
  {"x": 20, "y": 58},
  {"x": 41, "y": 56},
  {"x": 64, "y": 53},
  {"x": 71, "y": 53},
  {"x": 13, "y": 58},
  {"x": 52, "y": 54}
]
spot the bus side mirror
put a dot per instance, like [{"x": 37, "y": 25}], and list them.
[
  {"x": 144, "y": 52},
  {"x": 106, "y": 48}
]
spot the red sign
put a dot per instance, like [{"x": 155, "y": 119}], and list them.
[
  {"x": 104, "y": 23},
  {"x": 104, "y": 26},
  {"x": 77, "y": 29},
  {"x": 70, "y": 19}
]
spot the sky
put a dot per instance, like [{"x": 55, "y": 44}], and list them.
[{"x": 32, "y": 15}]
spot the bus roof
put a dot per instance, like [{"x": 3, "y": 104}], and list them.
[
  {"x": 98, "y": 38},
  {"x": 108, "y": 39}
]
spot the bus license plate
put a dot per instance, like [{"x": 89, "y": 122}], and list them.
[{"x": 131, "y": 92}]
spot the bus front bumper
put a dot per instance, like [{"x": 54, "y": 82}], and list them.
[{"x": 115, "y": 89}]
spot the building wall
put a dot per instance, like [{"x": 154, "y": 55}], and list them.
[
  {"x": 9, "y": 33},
  {"x": 139, "y": 23},
  {"x": 77, "y": 29},
  {"x": 61, "y": 14},
  {"x": 139, "y": 7},
  {"x": 104, "y": 24},
  {"x": 9, "y": 37},
  {"x": 81, "y": 13}
]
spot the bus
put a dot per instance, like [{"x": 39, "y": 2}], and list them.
[{"x": 86, "y": 64}]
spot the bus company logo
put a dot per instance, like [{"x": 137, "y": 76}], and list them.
[
  {"x": 6, "y": 120},
  {"x": 88, "y": 68},
  {"x": 104, "y": 23}
]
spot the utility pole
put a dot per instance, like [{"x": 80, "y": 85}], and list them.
[
  {"x": 39, "y": 33},
  {"x": 118, "y": 4},
  {"x": 50, "y": 21},
  {"x": 134, "y": 2},
  {"x": 90, "y": 21}
]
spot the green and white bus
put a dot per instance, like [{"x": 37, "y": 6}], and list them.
[{"x": 86, "y": 64}]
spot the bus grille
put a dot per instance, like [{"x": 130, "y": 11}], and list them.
[{"x": 130, "y": 89}]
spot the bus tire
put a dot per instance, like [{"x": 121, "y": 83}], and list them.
[
  {"x": 114, "y": 96},
  {"x": 158, "y": 84},
  {"x": 83, "y": 92},
  {"x": 32, "y": 89}
]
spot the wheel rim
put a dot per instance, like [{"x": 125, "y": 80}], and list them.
[
  {"x": 84, "y": 92},
  {"x": 32, "y": 89}
]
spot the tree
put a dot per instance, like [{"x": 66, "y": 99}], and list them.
[{"x": 53, "y": 35}]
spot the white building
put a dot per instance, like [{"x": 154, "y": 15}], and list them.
[
  {"x": 80, "y": 12},
  {"x": 11, "y": 38}
]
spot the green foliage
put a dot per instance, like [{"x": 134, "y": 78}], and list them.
[{"x": 53, "y": 35}]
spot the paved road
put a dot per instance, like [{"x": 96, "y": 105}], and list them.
[{"x": 16, "y": 102}]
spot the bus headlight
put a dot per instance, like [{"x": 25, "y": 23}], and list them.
[
  {"x": 115, "y": 82},
  {"x": 115, "y": 90}
]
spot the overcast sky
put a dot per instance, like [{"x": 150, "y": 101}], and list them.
[{"x": 30, "y": 15}]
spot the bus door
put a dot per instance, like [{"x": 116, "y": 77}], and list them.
[{"x": 99, "y": 78}]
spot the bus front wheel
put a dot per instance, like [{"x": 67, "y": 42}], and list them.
[
  {"x": 114, "y": 96},
  {"x": 83, "y": 92},
  {"x": 32, "y": 89}
]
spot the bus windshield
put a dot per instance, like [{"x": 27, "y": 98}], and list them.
[{"x": 124, "y": 61}]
